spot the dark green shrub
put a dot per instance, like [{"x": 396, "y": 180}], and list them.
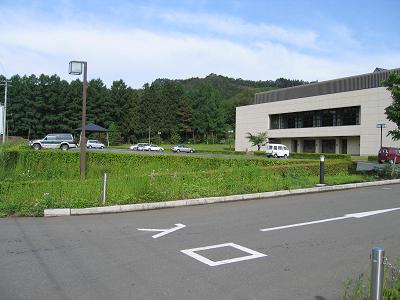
[
  {"x": 228, "y": 152},
  {"x": 298, "y": 155},
  {"x": 388, "y": 172},
  {"x": 56, "y": 164},
  {"x": 259, "y": 153}
]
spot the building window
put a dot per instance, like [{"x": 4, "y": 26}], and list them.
[
  {"x": 328, "y": 118},
  {"x": 274, "y": 121},
  {"x": 317, "y": 118},
  {"x": 308, "y": 119},
  {"x": 351, "y": 116},
  {"x": 291, "y": 121}
]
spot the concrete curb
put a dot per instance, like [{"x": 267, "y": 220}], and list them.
[{"x": 199, "y": 201}]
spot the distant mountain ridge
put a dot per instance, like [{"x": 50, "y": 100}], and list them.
[{"x": 231, "y": 87}]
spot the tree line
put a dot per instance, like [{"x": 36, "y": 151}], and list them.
[{"x": 195, "y": 110}]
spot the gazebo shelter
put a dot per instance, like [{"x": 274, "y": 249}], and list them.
[{"x": 94, "y": 128}]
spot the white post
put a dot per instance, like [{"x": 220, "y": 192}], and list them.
[
  {"x": 5, "y": 112},
  {"x": 104, "y": 195},
  {"x": 377, "y": 273}
]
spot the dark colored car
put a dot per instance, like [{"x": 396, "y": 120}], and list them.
[{"x": 389, "y": 154}]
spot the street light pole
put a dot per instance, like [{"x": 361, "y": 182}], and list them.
[
  {"x": 5, "y": 110},
  {"x": 381, "y": 126},
  {"x": 75, "y": 68},
  {"x": 83, "y": 132}
]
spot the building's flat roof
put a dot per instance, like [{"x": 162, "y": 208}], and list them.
[{"x": 346, "y": 84}]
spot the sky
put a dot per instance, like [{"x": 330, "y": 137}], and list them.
[{"x": 140, "y": 41}]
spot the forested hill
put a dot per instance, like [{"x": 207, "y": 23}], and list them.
[
  {"x": 197, "y": 108},
  {"x": 230, "y": 87}
]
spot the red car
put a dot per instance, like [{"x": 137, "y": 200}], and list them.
[{"x": 389, "y": 154}]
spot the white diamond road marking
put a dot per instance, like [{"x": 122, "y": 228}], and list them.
[{"x": 192, "y": 253}]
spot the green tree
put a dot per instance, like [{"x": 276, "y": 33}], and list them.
[
  {"x": 96, "y": 101},
  {"x": 175, "y": 138},
  {"x": 131, "y": 117},
  {"x": 114, "y": 135},
  {"x": 209, "y": 115},
  {"x": 185, "y": 113},
  {"x": 258, "y": 139},
  {"x": 393, "y": 110}
]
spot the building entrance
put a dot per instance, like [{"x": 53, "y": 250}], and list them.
[
  {"x": 294, "y": 145},
  {"x": 344, "y": 146},
  {"x": 328, "y": 146},
  {"x": 309, "y": 146}
]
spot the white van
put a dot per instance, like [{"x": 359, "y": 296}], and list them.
[{"x": 277, "y": 150}]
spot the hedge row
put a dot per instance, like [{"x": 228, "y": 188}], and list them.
[
  {"x": 228, "y": 152},
  {"x": 58, "y": 164},
  {"x": 299, "y": 155},
  {"x": 318, "y": 155},
  {"x": 27, "y": 165},
  {"x": 337, "y": 167}
]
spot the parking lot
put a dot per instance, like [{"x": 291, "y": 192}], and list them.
[{"x": 298, "y": 247}]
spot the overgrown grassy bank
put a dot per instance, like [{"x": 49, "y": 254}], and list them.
[{"x": 33, "y": 180}]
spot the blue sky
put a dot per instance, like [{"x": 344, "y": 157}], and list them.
[{"x": 139, "y": 41}]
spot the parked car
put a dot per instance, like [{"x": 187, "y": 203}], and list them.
[
  {"x": 63, "y": 141},
  {"x": 389, "y": 154},
  {"x": 138, "y": 147},
  {"x": 277, "y": 150},
  {"x": 94, "y": 144},
  {"x": 183, "y": 148},
  {"x": 152, "y": 147}
]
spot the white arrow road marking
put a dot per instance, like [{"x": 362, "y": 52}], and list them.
[
  {"x": 163, "y": 231},
  {"x": 355, "y": 215}
]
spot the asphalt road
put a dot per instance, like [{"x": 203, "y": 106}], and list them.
[{"x": 106, "y": 257}]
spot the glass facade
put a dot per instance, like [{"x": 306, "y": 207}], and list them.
[{"x": 317, "y": 118}]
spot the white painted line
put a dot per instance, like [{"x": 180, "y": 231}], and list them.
[
  {"x": 355, "y": 215},
  {"x": 192, "y": 253},
  {"x": 386, "y": 188},
  {"x": 163, "y": 231}
]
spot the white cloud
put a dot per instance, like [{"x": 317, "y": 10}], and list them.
[
  {"x": 140, "y": 56},
  {"x": 232, "y": 26}
]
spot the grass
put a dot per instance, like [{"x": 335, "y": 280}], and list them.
[
  {"x": 359, "y": 289},
  {"x": 359, "y": 158},
  {"x": 31, "y": 181},
  {"x": 29, "y": 198}
]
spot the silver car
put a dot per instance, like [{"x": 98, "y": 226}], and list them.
[
  {"x": 183, "y": 148},
  {"x": 153, "y": 147},
  {"x": 94, "y": 144},
  {"x": 139, "y": 146},
  {"x": 63, "y": 141}
]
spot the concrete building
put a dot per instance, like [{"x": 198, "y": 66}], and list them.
[{"x": 335, "y": 116}]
